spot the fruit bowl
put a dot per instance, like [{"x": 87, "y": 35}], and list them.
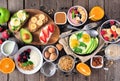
[
  {"x": 28, "y": 60},
  {"x": 110, "y": 31},
  {"x": 81, "y": 43},
  {"x": 77, "y": 15}
]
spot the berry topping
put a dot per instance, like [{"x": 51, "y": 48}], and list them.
[
  {"x": 103, "y": 32},
  {"x": 112, "y": 23},
  {"x": 106, "y": 38}
]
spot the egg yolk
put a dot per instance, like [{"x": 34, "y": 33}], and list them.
[
  {"x": 74, "y": 43},
  {"x": 86, "y": 38}
]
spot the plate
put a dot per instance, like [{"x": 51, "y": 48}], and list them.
[
  {"x": 55, "y": 36},
  {"x": 81, "y": 43},
  {"x": 38, "y": 65}
]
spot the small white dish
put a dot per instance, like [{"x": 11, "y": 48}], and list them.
[
  {"x": 55, "y": 17},
  {"x": 9, "y": 48},
  {"x": 99, "y": 66},
  {"x": 46, "y": 48},
  {"x": 37, "y": 68}
]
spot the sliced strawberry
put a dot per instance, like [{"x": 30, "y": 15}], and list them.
[
  {"x": 51, "y": 28},
  {"x": 114, "y": 33},
  {"x": 43, "y": 38},
  {"x": 46, "y": 32}
]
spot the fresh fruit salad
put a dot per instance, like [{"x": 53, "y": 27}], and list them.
[
  {"x": 77, "y": 15},
  {"x": 110, "y": 31},
  {"x": 28, "y": 59},
  {"x": 82, "y": 43}
]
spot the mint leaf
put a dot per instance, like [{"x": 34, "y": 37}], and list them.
[
  {"x": 30, "y": 62},
  {"x": 77, "y": 50},
  {"x": 79, "y": 35},
  {"x": 73, "y": 14},
  {"x": 83, "y": 44},
  {"x": 25, "y": 64}
]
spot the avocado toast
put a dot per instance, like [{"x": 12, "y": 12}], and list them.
[{"x": 17, "y": 20}]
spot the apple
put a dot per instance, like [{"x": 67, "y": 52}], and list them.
[{"x": 4, "y": 15}]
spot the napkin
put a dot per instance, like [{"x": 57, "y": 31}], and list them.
[{"x": 64, "y": 41}]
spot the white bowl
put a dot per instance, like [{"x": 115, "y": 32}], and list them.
[
  {"x": 10, "y": 46},
  {"x": 46, "y": 49},
  {"x": 36, "y": 68},
  {"x": 97, "y": 67},
  {"x": 85, "y": 14},
  {"x": 102, "y": 27}
]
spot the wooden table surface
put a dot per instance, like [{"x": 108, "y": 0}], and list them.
[{"x": 112, "y": 10}]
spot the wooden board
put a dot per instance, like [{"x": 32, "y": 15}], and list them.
[{"x": 35, "y": 34}]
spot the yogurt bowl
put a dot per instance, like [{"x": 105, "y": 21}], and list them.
[
  {"x": 77, "y": 15},
  {"x": 9, "y": 48}
]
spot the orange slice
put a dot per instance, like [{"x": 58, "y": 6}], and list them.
[
  {"x": 7, "y": 65},
  {"x": 83, "y": 69}
]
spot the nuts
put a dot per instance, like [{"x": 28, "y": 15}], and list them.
[{"x": 59, "y": 47}]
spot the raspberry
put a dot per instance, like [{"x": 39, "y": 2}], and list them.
[
  {"x": 112, "y": 22},
  {"x": 103, "y": 32},
  {"x": 106, "y": 38},
  {"x": 1, "y": 41},
  {"x": 29, "y": 50}
]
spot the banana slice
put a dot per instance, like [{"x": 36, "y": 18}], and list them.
[
  {"x": 113, "y": 27},
  {"x": 34, "y": 19},
  {"x": 118, "y": 31},
  {"x": 39, "y": 22},
  {"x": 32, "y": 27},
  {"x": 41, "y": 16}
]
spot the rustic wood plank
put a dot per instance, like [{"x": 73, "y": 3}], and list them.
[
  {"x": 3, "y": 3},
  {"x": 32, "y": 4},
  {"x": 33, "y": 77},
  {"x": 15, "y": 5},
  {"x": 112, "y": 9},
  {"x": 84, "y": 3},
  {"x": 93, "y": 3},
  {"x": 63, "y": 4},
  {"x": 16, "y": 75},
  {"x": 49, "y": 4}
]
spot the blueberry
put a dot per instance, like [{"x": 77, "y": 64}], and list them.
[
  {"x": 79, "y": 15},
  {"x": 112, "y": 40}
]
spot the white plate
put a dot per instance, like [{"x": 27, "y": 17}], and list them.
[{"x": 36, "y": 68}]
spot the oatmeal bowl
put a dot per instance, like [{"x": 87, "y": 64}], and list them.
[{"x": 28, "y": 60}]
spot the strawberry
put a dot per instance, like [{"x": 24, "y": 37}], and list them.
[
  {"x": 112, "y": 22},
  {"x": 43, "y": 39},
  {"x": 103, "y": 32},
  {"x": 6, "y": 34},
  {"x": 114, "y": 33},
  {"x": 1, "y": 29},
  {"x": 106, "y": 38},
  {"x": 1, "y": 41},
  {"x": 51, "y": 28},
  {"x": 46, "y": 32}
]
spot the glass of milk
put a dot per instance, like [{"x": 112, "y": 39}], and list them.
[{"x": 9, "y": 48}]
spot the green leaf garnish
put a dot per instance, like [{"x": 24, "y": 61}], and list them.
[
  {"x": 27, "y": 63},
  {"x": 79, "y": 35},
  {"x": 83, "y": 44},
  {"x": 73, "y": 15},
  {"x": 77, "y": 50}
]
